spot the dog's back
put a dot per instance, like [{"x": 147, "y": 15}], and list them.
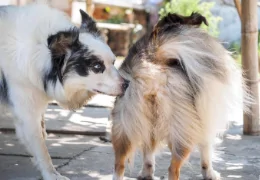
[
  {"x": 23, "y": 43},
  {"x": 182, "y": 84}
]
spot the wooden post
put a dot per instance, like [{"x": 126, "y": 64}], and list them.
[
  {"x": 250, "y": 62},
  {"x": 239, "y": 11},
  {"x": 90, "y": 7},
  {"x": 238, "y": 7}
]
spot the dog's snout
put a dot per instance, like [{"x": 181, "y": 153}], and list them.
[{"x": 125, "y": 85}]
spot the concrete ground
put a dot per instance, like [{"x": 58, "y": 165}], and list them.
[
  {"x": 86, "y": 157},
  {"x": 80, "y": 156}
]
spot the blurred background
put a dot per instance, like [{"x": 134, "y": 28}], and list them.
[{"x": 124, "y": 21}]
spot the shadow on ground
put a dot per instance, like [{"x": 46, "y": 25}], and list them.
[
  {"x": 237, "y": 157},
  {"x": 87, "y": 158}
]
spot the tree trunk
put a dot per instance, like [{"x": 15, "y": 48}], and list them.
[{"x": 250, "y": 62}]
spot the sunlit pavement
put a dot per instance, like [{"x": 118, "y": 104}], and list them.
[
  {"x": 82, "y": 157},
  {"x": 86, "y": 157}
]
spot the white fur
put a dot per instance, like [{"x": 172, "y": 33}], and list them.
[{"x": 25, "y": 58}]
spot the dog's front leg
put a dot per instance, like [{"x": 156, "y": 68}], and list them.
[{"x": 29, "y": 131}]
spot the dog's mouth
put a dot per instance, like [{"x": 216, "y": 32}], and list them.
[
  {"x": 101, "y": 92},
  {"x": 97, "y": 91}
]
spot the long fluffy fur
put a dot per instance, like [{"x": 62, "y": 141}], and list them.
[
  {"x": 184, "y": 86},
  {"x": 45, "y": 57}
]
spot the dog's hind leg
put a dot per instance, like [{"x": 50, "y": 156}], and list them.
[
  {"x": 122, "y": 148},
  {"x": 208, "y": 173},
  {"x": 148, "y": 168},
  {"x": 178, "y": 158}
]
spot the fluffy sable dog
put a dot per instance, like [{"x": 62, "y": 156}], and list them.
[
  {"x": 44, "y": 57},
  {"x": 183, "y": 86}
]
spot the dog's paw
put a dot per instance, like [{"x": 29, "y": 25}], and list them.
[
  {"x": 145, "y": 178},
  {"x": 56, "y": 176},
  {"x": 60, "y": 177},
  {"x": 210, "y": 174}
]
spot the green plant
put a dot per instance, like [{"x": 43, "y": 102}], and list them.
[
  {"x": 235, "y": 49},
  {"x": 186, "y": 7},
  {"x": 116, "y": 19}
]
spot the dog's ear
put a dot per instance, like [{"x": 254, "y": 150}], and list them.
[
  {"x": 195, "y": 19},
  {"x": 87, "y": 23},
  {"x": 62, "y": 41},
  {"x": 59, "y": 44},
  {"x": 172, "y": 21}
]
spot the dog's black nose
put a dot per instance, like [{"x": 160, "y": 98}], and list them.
[{"x": 125, "y": 85}]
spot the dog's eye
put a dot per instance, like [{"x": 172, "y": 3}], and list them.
[{"x": 97, "y": 66}]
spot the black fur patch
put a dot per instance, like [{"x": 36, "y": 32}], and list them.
[
  {"x": 81, "y": 59},
  {"x": 3, "y": 89},
  {"x": 173, "y": 62},
  {"x": 194, "y": 19},
  {"x": 62, "y": 41},
  {"x": 136, "y": 53},
  {"x": 59, "y": 44},
  {"x": 173, "y": 24},
  {"x": 88, "y": 24},
  {"x": 84, "y": 61},
  {"x": 55, "y": 72}
]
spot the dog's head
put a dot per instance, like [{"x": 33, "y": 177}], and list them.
[{"x": 83, "y": 62}]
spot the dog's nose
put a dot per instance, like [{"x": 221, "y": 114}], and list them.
[{"x": 125, "y": 85}]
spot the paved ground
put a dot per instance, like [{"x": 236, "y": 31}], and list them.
[
  {"x": 87, "y": 121},
  {"x": 83, "y": 157}
]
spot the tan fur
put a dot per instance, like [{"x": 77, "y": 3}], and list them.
[
  {"x": 76, "y": 97},
  {"x": 44, "y": 134},
  {"x": 176, "y": 163},
  {"x": 122, "y": 147},
  {"x": 184, "y": 85}
]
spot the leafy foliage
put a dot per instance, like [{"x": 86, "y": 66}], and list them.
[
  {"x": 186, "y": 7},
  {"x": 116, "y": 19}
]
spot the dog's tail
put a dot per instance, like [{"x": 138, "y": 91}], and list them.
[{"x": 224, "y": 101}]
